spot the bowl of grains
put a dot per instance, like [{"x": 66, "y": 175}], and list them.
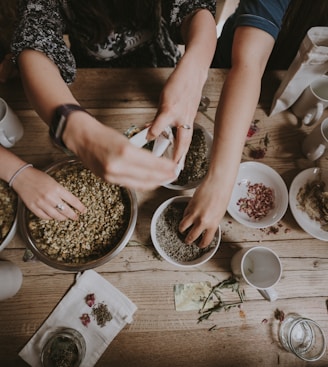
[
  {"x": 308, "y": 201},
  {"x": 260, "y": 197},
  {"x": 196, "y": 162},
  {"x": 8, "y": 214},
  {"x": 169, "y": 242},
  {"x": 97, "y": 236}
]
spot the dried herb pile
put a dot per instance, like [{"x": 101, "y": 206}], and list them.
[
  {"x": 196, "y": 163},
  {"x": 97, "y": 231},
  {"x": 313, "y": 199},
  {"x": 8, "y": 209},
  {"x": 171, "y": 240}
]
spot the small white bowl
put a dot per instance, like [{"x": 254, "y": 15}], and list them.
[
  {"x": 153, "y": 231},
  {"x": 251, "y": 173},
  {"x": 194, "y": 184},
  {"x": 311, "y": 226}
]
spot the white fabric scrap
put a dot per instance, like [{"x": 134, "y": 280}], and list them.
[{"x": 70, "y": 309}]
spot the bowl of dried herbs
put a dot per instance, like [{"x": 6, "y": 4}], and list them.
[
  {"x": 8, "y": 214},
  {"x": 97, "y": 236},
  {"x": 169, "y": 242},
  {"x": 196, "y": 162}
]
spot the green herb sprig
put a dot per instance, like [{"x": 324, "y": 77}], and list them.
[{"x": 230, "y": 283}]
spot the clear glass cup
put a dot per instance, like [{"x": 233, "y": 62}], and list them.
[
  {"x": 303, "y": 337},
  {"x": 64, "y": 347}
]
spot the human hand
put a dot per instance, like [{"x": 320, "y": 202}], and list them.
[
  {"x": 204, "y": 213},
  {"x": 178, "y": 105},
  {"x": 110, "y": 155},
  {"x": 45, "y": 197}
]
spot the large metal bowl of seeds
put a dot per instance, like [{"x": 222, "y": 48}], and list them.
[
  {"x": 97, "y": 236},
  {"x": 8, "y": 214},
  {"x": 196, "y": 162},
  {"x": 169, "y": 242}
]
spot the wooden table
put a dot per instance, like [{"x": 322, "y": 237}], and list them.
[{"x": 159, "y": 335}]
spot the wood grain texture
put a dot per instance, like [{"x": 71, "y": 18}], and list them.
[{"x": 160, "y": 336}]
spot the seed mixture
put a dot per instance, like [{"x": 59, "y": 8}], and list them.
[
  {"x": 62, "y": 353},
  {"x": 258, "y": 202},
  {"x": 8, "y": 209},
  {"x": 96, "y": 232},
  {"x": 196, "y": 163},
  {"x": 313, "y": 199},
  {"x": 171, "y": 240}
]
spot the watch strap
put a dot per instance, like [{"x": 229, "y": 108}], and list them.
[{"x": 59, "y": 120}]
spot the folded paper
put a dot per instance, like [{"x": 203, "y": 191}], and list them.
[{"x": 310, "y": 62}]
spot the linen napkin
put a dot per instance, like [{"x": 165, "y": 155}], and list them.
[{"x": 68, "y": 314}]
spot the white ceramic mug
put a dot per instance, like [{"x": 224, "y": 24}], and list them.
[
  {"x": 310, "y": 105},
  {"x": 11, "y": 279},
  {"x": 11, "y": 129},
  {"x": 260, "y": 267},
  {"x": 315, "y": 144}
]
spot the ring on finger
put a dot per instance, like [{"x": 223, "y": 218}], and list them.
[
  {"x": 184, "y": 126},
  {"x": 60, "y": 207}
]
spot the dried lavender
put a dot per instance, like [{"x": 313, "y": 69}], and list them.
[
  {"x": 171, "y": 240},
  {"x": 101, "y": 314}
]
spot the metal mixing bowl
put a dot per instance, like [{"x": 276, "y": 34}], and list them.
[{"x": 87, "y": 262}]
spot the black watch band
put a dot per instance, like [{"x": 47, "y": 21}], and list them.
[{"x": 58, "y": 122}]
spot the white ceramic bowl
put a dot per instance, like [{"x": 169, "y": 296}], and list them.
[
  {"x": 194, "y": 184},
  {"x": 153, "y": 231},
  {"x": 312, "y": 227},
  {"x": 251, "y": 173}
]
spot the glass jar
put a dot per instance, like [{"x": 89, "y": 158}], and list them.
[{"x": 65, "y": 347}]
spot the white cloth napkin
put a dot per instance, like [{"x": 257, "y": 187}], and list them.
[{"x": 70, "y": 309}]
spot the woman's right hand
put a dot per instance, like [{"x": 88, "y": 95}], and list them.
[{"x": 110, "y": 155}]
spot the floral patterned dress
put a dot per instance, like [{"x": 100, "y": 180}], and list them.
[{"x": 42, "y": 25}]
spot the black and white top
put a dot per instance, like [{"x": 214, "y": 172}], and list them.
[{"x": 42, "y": 25}]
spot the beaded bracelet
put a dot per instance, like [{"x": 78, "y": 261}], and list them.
[{"x": 20, "y": 170}]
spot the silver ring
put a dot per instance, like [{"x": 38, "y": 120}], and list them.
[
  {"x": 185, "y": 126},
  {"x": 60, "y": 207}
]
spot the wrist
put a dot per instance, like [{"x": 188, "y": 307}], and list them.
[
  {"x": 59, "y": 123},
  {"x": 18, "y": 172},
  {"x": 79, "y": 132}
]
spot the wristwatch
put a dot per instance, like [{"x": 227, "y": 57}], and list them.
[{"x": 58, "y": 123}]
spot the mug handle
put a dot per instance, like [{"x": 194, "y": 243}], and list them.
[
  {"x": 269, "y": 294},
  {"x": 311, "y": 118},
  {"x": 4, "y": 141},
  {"x": 313, "y": 156}
]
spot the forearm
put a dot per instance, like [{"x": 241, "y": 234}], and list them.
[
  {"x": 199, "y": 35},
  {"x": 235, "y": 112},
  {"x": 47, "y": 90},
  {"x": 43, "y": 83},
  {"x": 238, "y": 100}
]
